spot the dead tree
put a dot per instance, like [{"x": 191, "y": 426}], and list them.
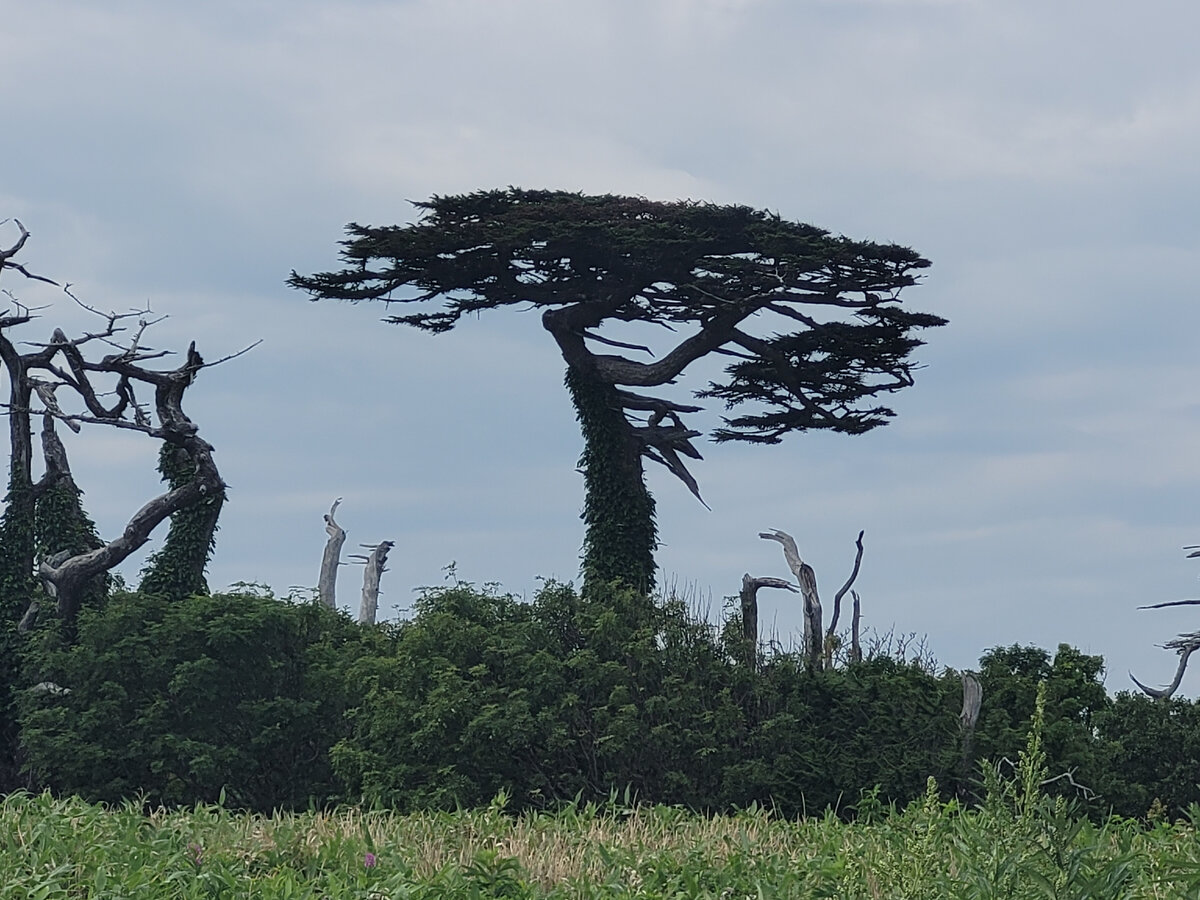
[
  {"x": 60, "y": 367},
  {"x": 1185, "y": 645},
  {"x": 972, "y": 702},
  {"x": 818, "y": 645},
  {"x": 327, "y": 584},
  {"x": 375, "y": 563},
  {"x": 749, "y": 598}
]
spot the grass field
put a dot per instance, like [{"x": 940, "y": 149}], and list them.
[{"x": 68, "y": 848}]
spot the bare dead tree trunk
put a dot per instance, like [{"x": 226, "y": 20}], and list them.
[
  {"x": 807, "y": 579},
  {"x": 972, "y": 702},
  {"x": 855, "y": 643},
  {"x": 375, "y": 567},
  {"x": 749, "y": 598},
  {"x": 327, "y": 584}
]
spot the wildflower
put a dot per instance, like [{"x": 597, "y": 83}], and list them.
[
  {"x": 195, "y": 854},
  {"x": 369, "y": 861}
]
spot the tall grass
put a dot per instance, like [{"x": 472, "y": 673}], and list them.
[{"x": 1018, "y": 844}]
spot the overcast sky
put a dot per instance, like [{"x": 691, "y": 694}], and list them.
[{"x": 1037, "y": 483}]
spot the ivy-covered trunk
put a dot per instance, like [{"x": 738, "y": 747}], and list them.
[
  {"x": 17, "y": 545},
  {"x": 177, "y": 570},
  {"x": 618, "y": 512}
]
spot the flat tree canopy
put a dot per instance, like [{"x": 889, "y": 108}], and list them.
[{"x": 812, "y": 323}]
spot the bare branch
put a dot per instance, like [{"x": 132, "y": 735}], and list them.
[
  {"x": 1171, "y": 603},
  {"x": 837, "y": 598},
  {"x": 1185, "y": 645},
  {"x": 592, "y": 336},
  {"x": 244, "y": 350}
]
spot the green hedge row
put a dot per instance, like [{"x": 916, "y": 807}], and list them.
[{"x": 289, "y": 705}]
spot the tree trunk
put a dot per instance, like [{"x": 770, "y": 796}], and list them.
[
  {"x": 855, "y": 643},
  {"x": 327, "y": 583},
  {"x": 375, "y": 563},
  {"x": 749, "y": 598},
  {"x": 972, "y": 701},
  {"x": 618, "y": 511},
  {"x": 18, "y": 542},
  {"x": 814, "y": 636},
  {"x": 176, "y": 571}
]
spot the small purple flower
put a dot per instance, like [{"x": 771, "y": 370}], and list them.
[
  {"x": 369, "y": 861},
  {"x": 195, "y": 854}
]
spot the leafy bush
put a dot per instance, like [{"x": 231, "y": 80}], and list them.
[
  {"x": 548, "y": 700},
  {"x": 1075, "y": 701},
  {"x": 1151, "y": 749},
  {"x": 179, "y": 701},
  {"x": 823, "y": 739}
]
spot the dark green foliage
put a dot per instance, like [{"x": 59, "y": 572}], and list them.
[
  {"x": 1075, "y": 696},
  {"x": 177, "y": 569},
  {"x": 18, "y": 547},
  {"x": 566, "y": 696},
  {"x": 547, "y": 700},
  {"x": 582, "y": 696},
  {"x": 1153, "y": 753},
  {"x": 177, "y": 701},
  {"x": 618, "y": 511},
  {"x": 62, "y": 524},
  {"x": 823, "y": 738},
  {"x": 17, "y": 584}
]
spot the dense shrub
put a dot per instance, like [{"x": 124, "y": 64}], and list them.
[
  {"x": 1075, "y": 698},
  {"x": 564, "y": 696},
  {"x": 547, "y": 700},
  {"x": 1152, "y": 748},
  {"x": 177, "y": 701},
  {"x": 822, "y": 739}
]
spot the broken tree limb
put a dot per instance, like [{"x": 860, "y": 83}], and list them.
[
  {"x": 375, "y": 567},
  {"x": 327, "y": 584},
  {"x": 807, "y": 579},
  {"x": 831, "y": 632},
  {"x": 749, "y": 598},
  {"x": 1185, "y": 645},
  {"x": 837, "y": 598},
  {"x": 1171, "y": 603}
]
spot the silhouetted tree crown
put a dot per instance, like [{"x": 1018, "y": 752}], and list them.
[{"x": 811, "y": 322}]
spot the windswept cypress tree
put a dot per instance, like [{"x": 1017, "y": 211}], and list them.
[{"x": 728, "y": 277}]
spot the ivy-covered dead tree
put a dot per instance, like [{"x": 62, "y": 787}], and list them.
[
  {"x": 811, "y": 322},
  {"x": 49, "y": 543}
]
